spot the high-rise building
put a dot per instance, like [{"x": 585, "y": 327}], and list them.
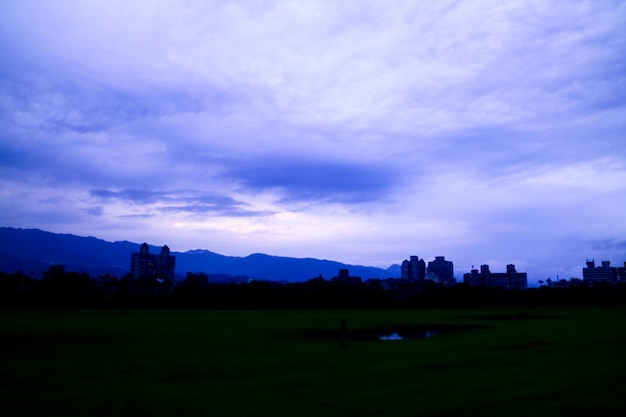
[
  {"x": 442, "y": 270},
  {"x": 414, "y": 269},
  {"x": 510, "y": 279},
  {"x": 151, "y": 269},
  {"x": 604, "y": 273}
]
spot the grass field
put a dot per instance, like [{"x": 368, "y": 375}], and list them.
[{"x": 269, "y": 363}]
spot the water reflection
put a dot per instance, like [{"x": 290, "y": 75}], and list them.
[{"x": 396, "y": 336}]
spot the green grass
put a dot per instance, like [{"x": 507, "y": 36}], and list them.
[{"x": 256, "y": 363}]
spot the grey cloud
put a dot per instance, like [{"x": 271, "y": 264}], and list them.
[
  {"x": 301, "y": 179},
  {"x": 182, "y": 201},
  {"x": 80, "y": 105},
  {"x": 610, "y": 245},
  {"x": 137, "y": 216},
  {"x": 152, "y": 196},
  {"x": 228, "y": 210},
  {"x": 94, "y": 211},
  {"x": 132, "y": 195}
]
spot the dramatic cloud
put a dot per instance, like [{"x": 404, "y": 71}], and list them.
[
  {"x": 179, "y": 201},
  {"x": 359, "y": 131}
]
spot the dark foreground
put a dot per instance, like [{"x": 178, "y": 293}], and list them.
[{"x": 479, "y": 362}]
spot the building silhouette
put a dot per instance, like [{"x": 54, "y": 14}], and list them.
[
  {"x": 414, "y": 269},
  {"x": 345, "y": 278},
  {"x": 441, "y": 271},
  {"x": 152, "y": 272},
  {"x": 621, "y": 273},
  {"x": 605, "y": 273},
  {"x": 510, "y": 279}
]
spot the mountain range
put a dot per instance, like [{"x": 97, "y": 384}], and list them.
[{"x": 32, "y": 251}]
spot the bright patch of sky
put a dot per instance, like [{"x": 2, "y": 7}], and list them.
[{"x": 358, "y": 131}]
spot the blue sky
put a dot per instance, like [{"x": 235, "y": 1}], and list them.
[{"x": 358, "y": 131}]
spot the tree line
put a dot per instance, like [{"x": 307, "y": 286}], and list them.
[{"x": 61, "y": 288}]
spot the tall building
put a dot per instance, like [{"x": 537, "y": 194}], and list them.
[
  {"x": 152, "y": 270},
  {"x": 604, "y": 273},
  {"x": 441, "y": 270},
  {"x": 414, "y": 269},
  {"x": 510, "y": 279}
]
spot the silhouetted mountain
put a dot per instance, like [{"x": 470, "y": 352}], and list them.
[
  {"x": 263, "y": 266},
  {"x": 33, "y": 250}
]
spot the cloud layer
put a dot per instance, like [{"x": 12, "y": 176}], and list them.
[{"x": 359, "y": 131}]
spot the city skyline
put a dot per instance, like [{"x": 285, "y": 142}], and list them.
[{"x": 360, "y": 132}]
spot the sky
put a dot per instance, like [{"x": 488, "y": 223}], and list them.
[{"x": 364, "y": 132}]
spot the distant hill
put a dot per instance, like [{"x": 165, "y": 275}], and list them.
[{"x": 32, "y": 251}]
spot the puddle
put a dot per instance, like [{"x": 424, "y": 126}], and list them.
[
  {"x": 397, "y": 336},
  {"x": 388, "y": 333},
  {"x": 408, "y": 332}
]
